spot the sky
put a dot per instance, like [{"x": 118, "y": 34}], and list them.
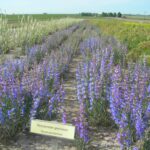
[{"x": 75, "y": 6}]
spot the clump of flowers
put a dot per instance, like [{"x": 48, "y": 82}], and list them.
[
  {"x": 82, "y": 131},
  {"x": 38, "y": 52},
  {"x": 129, "y": 103},
  {"x": 93, "y": 80},
  {"x": 15, "y": 100}
]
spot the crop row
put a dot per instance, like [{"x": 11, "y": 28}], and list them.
[{"x": 111, "y": 92}]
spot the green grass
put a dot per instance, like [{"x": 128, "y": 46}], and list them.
[
  {"x": 15, "y": 18},
  {"x": 41, "y": 17},
  {"x": 138, "y": 17}
]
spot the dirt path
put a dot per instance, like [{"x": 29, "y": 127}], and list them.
[{"x": 71, "y": 103}]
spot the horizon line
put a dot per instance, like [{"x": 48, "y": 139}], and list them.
[{"x": 141, "y": 14}]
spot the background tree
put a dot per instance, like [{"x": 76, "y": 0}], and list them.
[{"x": 119, "y": 14}]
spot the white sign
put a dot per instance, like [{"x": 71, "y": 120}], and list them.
[{"x": 52, "y": 128}]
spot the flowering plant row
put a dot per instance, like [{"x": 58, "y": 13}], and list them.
[
  {"x": 33, "y": 92},
  {"x": 109, "y": 89}
]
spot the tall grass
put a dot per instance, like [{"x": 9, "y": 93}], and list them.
[{"x": 28, "y": 32}]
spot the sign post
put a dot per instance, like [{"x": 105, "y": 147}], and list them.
[{"x": 51, "y": 128}]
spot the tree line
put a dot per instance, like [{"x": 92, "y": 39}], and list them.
[
  {"x": 103, "y": 14},
  {"x": 110, "y": 14}
]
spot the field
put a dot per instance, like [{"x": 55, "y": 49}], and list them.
[
  {"x": 14, "y": 19},
  {"x": 41, "y": 17},
  {"x": 93, "y": 73},
  {"x": 136, "y": 35},
  {"x": 139, "y": 17}
]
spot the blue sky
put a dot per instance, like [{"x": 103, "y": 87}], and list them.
[{"x": 75, "y": 6}]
